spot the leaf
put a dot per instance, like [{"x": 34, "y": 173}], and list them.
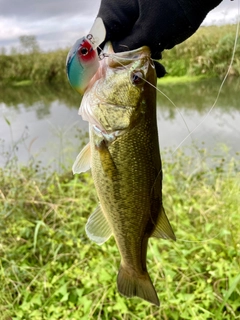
[
  {"x": 7, "y": 121},
  {"x": 233, "y": 286},
  {"x": 39, "y": 224}
]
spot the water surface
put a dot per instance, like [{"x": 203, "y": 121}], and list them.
[{"x": 42, "y": 123}]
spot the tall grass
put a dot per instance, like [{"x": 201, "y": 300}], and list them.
[
  {"x": 38, "y": 67},
  {"x": 208, "y": 52},
  {"x": 49, "y": 269}
]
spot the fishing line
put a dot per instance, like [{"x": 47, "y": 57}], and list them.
[
  {"x": 212, "y": 107},
  {"x": 220, "y": 88},
  {"x": 117, "y": 58}
]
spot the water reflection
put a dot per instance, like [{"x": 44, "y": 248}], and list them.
[
  {"x": 42, "y": 122},
  {"x": 39, "y": 97},
  {"x": 201, "y": 95}
]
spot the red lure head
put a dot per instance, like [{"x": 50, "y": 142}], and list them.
[{"x": 85, "y": 52}]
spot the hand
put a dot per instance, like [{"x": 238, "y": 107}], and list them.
[{"x": 159, "y": 24}]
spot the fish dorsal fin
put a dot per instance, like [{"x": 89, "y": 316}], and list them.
[
  {"x": 82, "y": 162},
  {"x": 163, "y": 228},
  {"x": 97, "y": 227}
]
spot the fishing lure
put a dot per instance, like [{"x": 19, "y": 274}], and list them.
[
  {"x": 82, "y": 63},
  {"x": 82, "y": 60}
]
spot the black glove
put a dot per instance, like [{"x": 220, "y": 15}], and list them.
[{"x": 159, "y": 24}]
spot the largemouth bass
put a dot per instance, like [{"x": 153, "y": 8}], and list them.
[{"x": 124, "y": 157}]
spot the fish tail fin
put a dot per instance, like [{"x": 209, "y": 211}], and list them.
[{"x": 132, "y": 284}]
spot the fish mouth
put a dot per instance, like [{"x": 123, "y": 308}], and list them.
[
  {"x": 125, "y": 57},
  {"x": 128, "y": 54}
]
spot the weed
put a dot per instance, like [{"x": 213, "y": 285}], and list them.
[{"x": 49, "y": 269}]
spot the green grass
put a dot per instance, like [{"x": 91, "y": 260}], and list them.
[
  {"x": 38, "y": 67},
  {"x": 49, "y": 269},
  {"x": 208, "y": 52}
]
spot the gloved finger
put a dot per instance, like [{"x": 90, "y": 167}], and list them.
[
  {"x": 119, "y": 17},
  {"x": 160, "y": 69}
]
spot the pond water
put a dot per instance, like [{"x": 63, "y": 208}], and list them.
[{"x": 42, "y": 123}]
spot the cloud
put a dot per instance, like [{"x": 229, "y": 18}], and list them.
[
  {"x": 33, "y": 10},
  {"x": 226, "y": 12},
  {"x": 51, "y": 30},
  {"x": 55, "y": 23},
  {"x": 58, "y": 23}
]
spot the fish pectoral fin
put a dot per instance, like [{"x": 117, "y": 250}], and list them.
[
  {"x": 163, "y": 228},
  {"x": 97, "y": 227},
  {"x": 82, "y": 162}
]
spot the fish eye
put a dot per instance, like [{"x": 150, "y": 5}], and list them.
[{"x": 137, "y": 78}]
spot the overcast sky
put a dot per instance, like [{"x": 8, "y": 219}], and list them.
[{"x": 59, "y": 23}]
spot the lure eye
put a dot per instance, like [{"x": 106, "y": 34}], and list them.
[
  {"x": 83, "y": 51},
  {"x": 137, "y": 78}
]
